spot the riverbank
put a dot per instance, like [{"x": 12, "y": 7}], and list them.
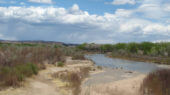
[
  {"x": 113, "y": 82},
  {"x": 120, "y": 77},
  {"x": 144, "y": 51},
  {"x": 157, "y": 60}
]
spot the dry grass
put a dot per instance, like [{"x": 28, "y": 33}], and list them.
[
  {"x": 73, "y": 52},
  {"x": 78, "y": 56},
  {"x": 18, "y": 62},
  {"x": 74, "y": 78},
  {"x": 157, "y": 83},
  {"x": 12, "y": 76}
]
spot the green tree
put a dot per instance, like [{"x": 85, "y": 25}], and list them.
[
  {"x": 146, "y": 47},
  {"x": 132, "y": 47},
  {"x": 82, "y": 46},
  {"x": 120, "y": 46},
  {"x": 106, "y": 48}
]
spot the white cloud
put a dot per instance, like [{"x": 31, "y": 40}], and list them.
[
  {"x": 122, "y": 2},
  {"x": 123, "y": 13},
  {"x": 157, "y": 28},
  {"x": 153, "y": 11},
  {"x": 22, "y": 3},
  {"x": 41, "y": 1},
  {"x": 166, "y": 40},
  {"x": 75, "y": 7},
  {"x": 2, "y": 37},
  {"x": 75, "y": 25}
]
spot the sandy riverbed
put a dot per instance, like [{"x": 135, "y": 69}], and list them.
[{"x": 113, "y": 82}]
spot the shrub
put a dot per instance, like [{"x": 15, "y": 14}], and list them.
[
  {"x": 78, "y": 56},
  {"x": 12, "y": 76},
  {"x": 120, "y": 46},
  {"x": 60, "y": 64},
  {"x": 99, "y": 67},
  {"x": 82, "y": 46},
  {"x": 106, "y": 48},
  {"x": 157, "y": 83}
]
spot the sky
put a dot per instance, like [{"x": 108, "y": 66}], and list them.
[{"x": 90, "y": 21}]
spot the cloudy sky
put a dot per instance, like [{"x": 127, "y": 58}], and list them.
[{"x": 79, "y": 21}]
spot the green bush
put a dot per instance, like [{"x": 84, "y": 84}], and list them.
[
  {"x": 82, "y": 46},
  {"x": 106, "y": 48},
  {"x": 120, "y": 46},
  {"x": 60, "y": 64}
]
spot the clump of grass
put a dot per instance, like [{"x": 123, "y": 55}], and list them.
[
  {"x": 60, "y": 64},
  {"x": 74, "y": 78},
  {"x": 157, "y": 83},
  {"x": 99, "y": 67},
  {"x": 12, "y": 76}
]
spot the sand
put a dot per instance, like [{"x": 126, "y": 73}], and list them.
[{"x": 128, "y": 86}]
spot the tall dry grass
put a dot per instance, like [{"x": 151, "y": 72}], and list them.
[
  {"x": 74, "y": 78},
  {"x": 20, "y": 61},
  {"x": 73, "y": 52},
  {"x": 157, "y": 83}
]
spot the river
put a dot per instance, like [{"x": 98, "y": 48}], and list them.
[{"x": 102, "y": 60}]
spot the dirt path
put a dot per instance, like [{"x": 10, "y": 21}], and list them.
[
  {"x": 44, "y": 83},
  {"x": 38, "y": 85}
]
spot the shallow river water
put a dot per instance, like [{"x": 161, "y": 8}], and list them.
[{"x": 102, "y": 60}]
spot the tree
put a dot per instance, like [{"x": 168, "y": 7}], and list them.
[
  {"x": 82, "y": 46},
  {"x": 146, "y": 47},
  {"x": 132, "y": 47}
]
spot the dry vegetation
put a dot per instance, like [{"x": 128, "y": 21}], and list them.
[
  {"x": 74, "y": 78},
  {"x": 18, "y": 61},
  {"x": 75, "y": 53},
  {"x": 21, "y": 60},
  {"x": 157, "y": 83}
]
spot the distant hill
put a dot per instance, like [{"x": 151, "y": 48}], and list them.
[{"x": 38, "y": 41}]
